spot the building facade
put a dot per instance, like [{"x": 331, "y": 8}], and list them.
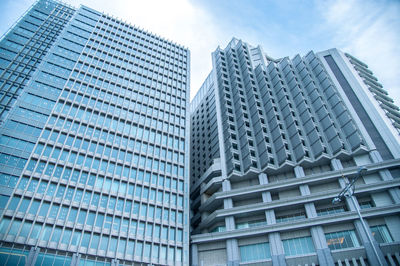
[
  {"x": 93, "y": 142},
  {"x": 273, "y": 141}
]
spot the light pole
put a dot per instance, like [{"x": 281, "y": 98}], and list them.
[{"x": 348, "y": 192}]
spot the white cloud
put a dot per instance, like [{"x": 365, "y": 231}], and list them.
[{"x": 371, "y": 32}]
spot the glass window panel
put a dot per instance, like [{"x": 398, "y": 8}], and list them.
[
  {"x": 24, "y": 205},
  {"x": 95, "y": 241},
  {"x": 121, "y": 246},
  {"x": 82, "y": 216},
  {"x": 46, "y": 233},
  {"x": 76, "y": 238},
  {"x": 85, "y": 240},
  {"x": 72, "y": 215},
  {"x": 139, "y": 249},
  {"x": 44, "y": 209},
  {"x": 343, "y": 239},
  {"x": 54, "y": 211},
  {"x": 104, "y": 243},
  {"x": 113, "y": 244},
  {"x": 63, "y": 213},
  {"x": 34, "y": 207},
  {"x": 26, "y": 227},
  {"x": 381, "y": 234},
  {"x": 36, "y": 231},
  {"x": 66, "y": 236},
  {"x": 298, "y": 246},
  {"x": 56, "y": 235}
]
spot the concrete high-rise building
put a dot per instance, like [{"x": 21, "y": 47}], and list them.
[
  {"x": 93, "y": 139},
  {"x": 273, "y": 142}
]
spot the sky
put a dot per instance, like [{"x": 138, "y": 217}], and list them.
[{"x": 369, "y": 30}]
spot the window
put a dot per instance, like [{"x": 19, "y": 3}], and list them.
[
  {"x": 290, "y": 217},
  {"x": 66, "y": 236},
  {"x": 343, "y": 239},
  {"x": 254, "y": 252},
  {"x": 330, "y": 210},
  {"x": 381, "y": 234},
  {"x": 251, "y": 224},
  {"x": 297, "y": 246},
  {"x": 104, "y": 243}
]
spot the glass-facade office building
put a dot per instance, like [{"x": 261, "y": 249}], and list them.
[
  {"x": 93, "y": 141},
  {"x": 272, "y": 143}
]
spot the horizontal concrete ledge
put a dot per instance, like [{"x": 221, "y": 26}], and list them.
[
  {"x": 295, "y": 225},
  {"x": 257, "y": 207},
  {"x": 212, "y": 171},
  {"x": 309, "y": 180}
]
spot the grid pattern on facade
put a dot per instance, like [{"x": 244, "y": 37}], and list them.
[
  {"x": 289, "y": 140},
  {"x": 105, "y": 175}
]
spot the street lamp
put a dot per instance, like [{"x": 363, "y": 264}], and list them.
[{"x": 348, "y": 192}]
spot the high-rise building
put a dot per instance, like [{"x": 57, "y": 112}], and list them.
[
  {"x": 93, "y": 138},
  {"x": 273, "y": 142}
]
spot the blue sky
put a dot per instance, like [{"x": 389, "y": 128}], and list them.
[{"x": 369, "y": 30}]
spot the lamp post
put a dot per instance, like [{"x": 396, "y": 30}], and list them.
[{"x": 348, "y": 192}]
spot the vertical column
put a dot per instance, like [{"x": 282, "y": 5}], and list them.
[
  {"x": 275, "y": 242},
  {"x": 32, "y": 256},
  {"x": 195, "y": 255},
  {"x": 75, "y": 259},
  {"x": 364, "y": 233},
  {"x": 317, "y": 233},
  {"x": 393, "y": 192},
  {"x": 232, "y": 248}
]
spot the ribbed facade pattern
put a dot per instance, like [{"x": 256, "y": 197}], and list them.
[
  {"x": 93, "y": 150},
  {"x": 286, "y": 112},
  {"x": 290, "y": 132}
]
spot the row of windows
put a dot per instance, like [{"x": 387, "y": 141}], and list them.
[
  {"x": 120, "y": 170},
  {"x": 142, "y": 112},
  {"x": 163, "y": 99},
  {"x": 66, "y": 52},
  {"x": 17, "y": 143},
  {"x": 104, "y": 221},
  {"x": 96, "y": 134},
  {"x": 13, "y": 76},
  {"x": 24, "y": 112},
  {"x": 106, "y": 165},
  {"x": 114, "y": 47},
  {"x": 139, "y": 45},
  {"x": 132, "y": 130},
  {"x": 39, "y": 101},
  {"x": 138, "y": 34},
  {"x": 161, "y": 87},
  {"x": 8, "y": 180},
  {"x": 125, "y": 80},
  {"x": 304, "y": 245},
  {"x": 163, "y": 63},
  {"x": 50, "y": 77},
  {"x": 12, "y": 161},
  {"x": 8, "y": 86},
  {"x": 112, "y": 152},
  {"x": 90, "y": 241},
  {"x": 122, "y": 188}
]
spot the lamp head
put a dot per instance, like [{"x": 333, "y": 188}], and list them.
[
  {"x": 362, "y": 170},
  {"x": 336, "y": 200}
]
